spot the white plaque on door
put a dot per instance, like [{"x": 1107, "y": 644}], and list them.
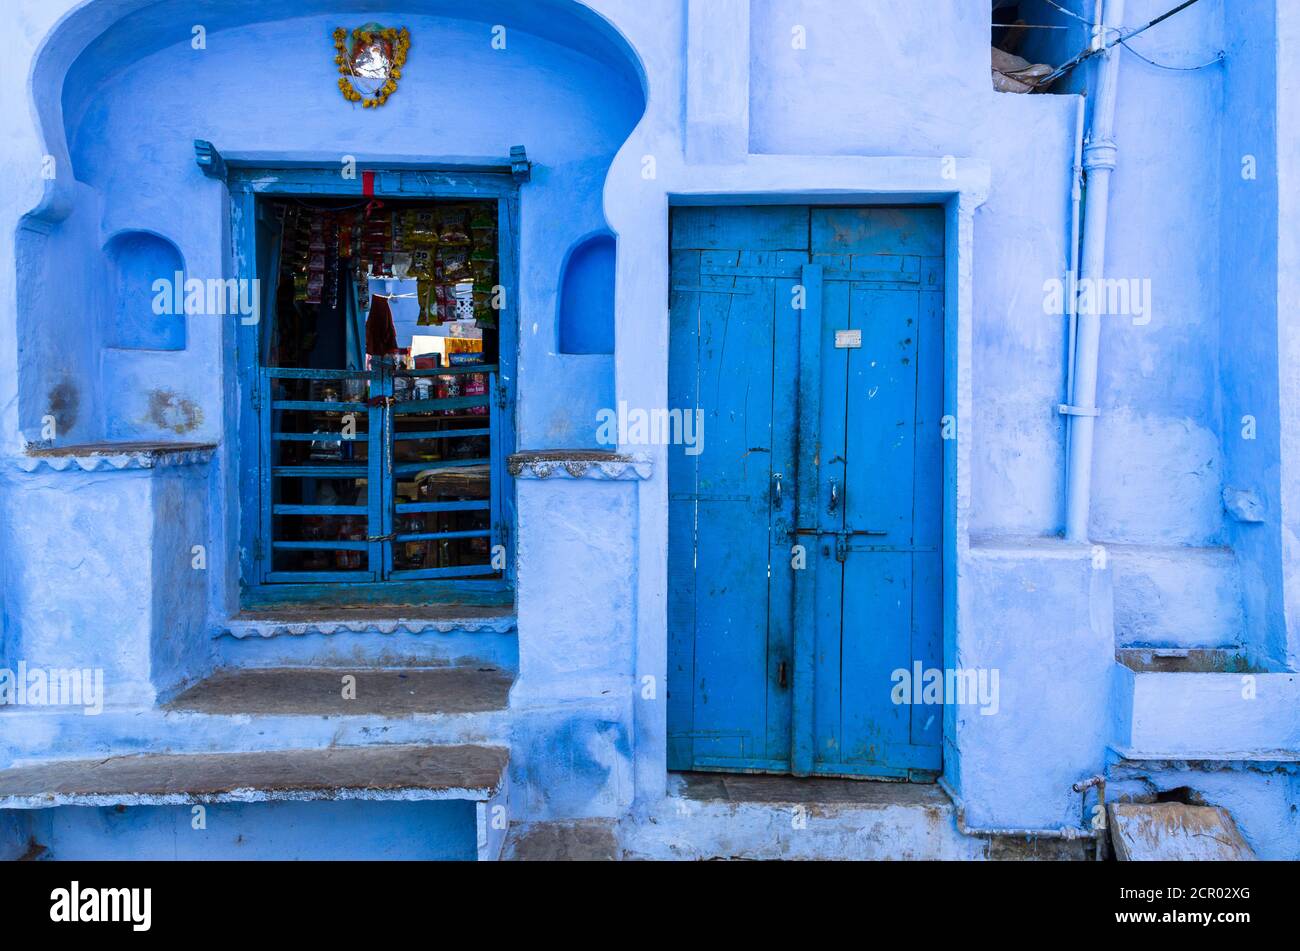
[{"x": 848, "y": 340}]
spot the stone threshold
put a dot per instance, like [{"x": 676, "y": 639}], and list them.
[{"x": 792, "y": 790}]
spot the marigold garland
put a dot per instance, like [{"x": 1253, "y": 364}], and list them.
[{"x": 399, "y": 40}]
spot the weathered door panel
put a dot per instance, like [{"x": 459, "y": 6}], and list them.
[
  {"x": 729, "y": 612},
  {"x": 683, "y": 487},
  {"x": 880, "y": 434},
  {"x": 822, "y": 429}
]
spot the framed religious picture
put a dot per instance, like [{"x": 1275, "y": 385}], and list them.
[{"x": 370, "y": 60}]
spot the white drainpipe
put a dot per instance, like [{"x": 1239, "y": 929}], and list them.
[
  {"x": 1076, "y": 230},
  {"x": 1098, "y": 162}
]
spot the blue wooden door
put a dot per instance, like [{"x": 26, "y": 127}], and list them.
[{"x": 804, "y": 540}]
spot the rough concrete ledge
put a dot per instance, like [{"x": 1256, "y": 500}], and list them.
[
  {"x": 406, "y": 773},
  {"x": 95, "y": 457},
  {"x": 279, "y": 691},
  {"x": 1027, "y": 546},
  {"x": 1193, "y": 715},
  {"x": 299, "y": 622},
  {"x": 580, "y": 464},
  {"x": 1186, "y": 660}
]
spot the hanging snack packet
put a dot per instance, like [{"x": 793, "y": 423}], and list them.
[
  {"x": 453, "y": 225},
  {"x": 453, "y": 265}
]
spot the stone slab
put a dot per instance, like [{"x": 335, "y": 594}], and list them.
[
  {"x": 412, "y": 773},
  {"x": 319, "y": 692},
  {"x": 1174, "y": 831}
]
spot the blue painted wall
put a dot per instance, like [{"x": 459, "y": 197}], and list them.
[
  {"x": 275, "y": 831},
  {"x": 627, "y": 106}
]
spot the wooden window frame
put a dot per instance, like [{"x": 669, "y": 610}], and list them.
[{"x": 248, "y": 184}]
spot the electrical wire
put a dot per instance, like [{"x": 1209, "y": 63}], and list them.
[
  {"x": 1107, "y": 44},
  {"x": 1069, "y": 13},
  {"x": 1219, "y": 58}
]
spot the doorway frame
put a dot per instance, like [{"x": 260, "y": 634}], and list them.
[
  {"x": 958, "y": 185},
  {"x": 248, "y": 183},
  {"x": 801, "y": 755}
]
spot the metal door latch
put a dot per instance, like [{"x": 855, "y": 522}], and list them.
[{"x": 842, "y": 538}]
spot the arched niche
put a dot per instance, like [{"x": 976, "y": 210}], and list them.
[
  {"x": 586, "y": 312},
  {"x": 116, "y": 79},
  {"x": 145, "y": 271}
]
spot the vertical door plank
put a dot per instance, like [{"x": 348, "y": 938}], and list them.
[
  {"x": 927, "y": 503},
  {"x": 684, "y": 393},
  {"x": 829, "y": 512},
  {"x": 805, "y": 580},
  {"x": 732, "y": 544},
  {"x": 788, "y": 294}
]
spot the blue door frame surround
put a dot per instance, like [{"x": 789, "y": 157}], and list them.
[
  {"x": 249, "y": 182},
  {"x": 837, "y": 419}
]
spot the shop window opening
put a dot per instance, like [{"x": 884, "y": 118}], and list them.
[
  {"x": 380, "y": 397},
  {"x": 1030, "y": 38}
]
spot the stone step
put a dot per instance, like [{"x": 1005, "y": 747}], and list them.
[
  {"x": 260, "y": 709},
  {"x": 723, "y": 816},
  {"x": 347, "y": 692},
  {"x": 1176, "y": 832},
  {"x": 145, "y": 785},
  {"x": 373, "y": 772},
  {"x": 1203, "y": 705}
]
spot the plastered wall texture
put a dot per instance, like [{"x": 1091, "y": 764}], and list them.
[{"x": 94, "y": 566}]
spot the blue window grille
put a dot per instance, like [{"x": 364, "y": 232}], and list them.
[{"x": 366, "y": 564}]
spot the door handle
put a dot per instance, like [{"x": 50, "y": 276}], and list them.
[
  {"x": 835, "y": 494},
  {"x": 776, "y": 489}
]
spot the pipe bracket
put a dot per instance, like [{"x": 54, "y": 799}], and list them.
[{"x": 1067, "y": 410}]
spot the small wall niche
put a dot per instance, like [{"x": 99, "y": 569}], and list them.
[
  {"x": 587, "y": 296},
  {"x": 136, "y": 261}
]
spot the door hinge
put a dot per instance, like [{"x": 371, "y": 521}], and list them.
[
  {"x": 780, "y": 676},
  {"x": 501, "y": 395}
]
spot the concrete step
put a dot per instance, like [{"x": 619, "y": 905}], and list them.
[
  {"x": 585, "y": 840},
  {"x": 1203, "y": 705},
  {"x": 455, "y": 795},
  {"x": 720, "y": 816},
  {"x": 278, "y": 708},
  {"x": 1175, "y": 597},
  {"x": 288, "y": 691}
]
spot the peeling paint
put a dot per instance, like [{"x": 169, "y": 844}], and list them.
[
  {"x": 64, "y": 402},
  {"x": 176, "y": 413}
]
